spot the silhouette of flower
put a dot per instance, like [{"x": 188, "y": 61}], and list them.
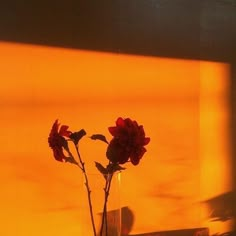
[
  {"x": 57, "y": 141},
  {"x": 126, "y": 145},
  {"x": 128, "y": 142}
]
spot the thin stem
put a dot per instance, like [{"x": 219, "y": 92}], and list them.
[
  {"x": 82, "y": 167},
  {"x": 104, "y": 214},
  {"x": 108, "y": 191},
  {"x": 70, "y": 154},
  {"x": 104, "y": 208}
]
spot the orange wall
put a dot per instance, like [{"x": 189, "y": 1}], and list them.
[{"x": 90, "y": 90}]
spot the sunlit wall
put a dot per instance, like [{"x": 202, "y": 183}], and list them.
[
  {"x": 90, "y": 90},
  {"x": 215, "y": 149}
]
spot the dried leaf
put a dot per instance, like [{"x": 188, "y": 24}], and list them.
[
  {"x": 76, "y": 136},
  {"x": 119, "y": 168},
  {"x": 99, "y": 137},
  {"x": 112, "y": 168},
  {"x": 101, "y": 168},
  {"x": 71, "y": 160}
]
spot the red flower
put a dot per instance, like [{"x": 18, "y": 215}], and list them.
[
  {"x": 128, "y": 142},
  {"x": 57, "y": 142}
]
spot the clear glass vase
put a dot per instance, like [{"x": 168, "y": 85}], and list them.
[{"x": 109, "y": 222}]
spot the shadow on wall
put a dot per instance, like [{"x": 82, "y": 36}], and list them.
[
  {"x": 222, "y": 207},
  {"x": 127, "y": 220},
  {"x": 181, "y": 232}
]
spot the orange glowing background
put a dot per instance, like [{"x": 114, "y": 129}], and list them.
[{"x": 170, "y": 97}]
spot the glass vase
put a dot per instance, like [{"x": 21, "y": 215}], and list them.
[{"x": 107, "y": 220}]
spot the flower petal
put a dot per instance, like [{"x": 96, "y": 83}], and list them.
[
  {"x": 112, "y": 130},
  {"x": 120, "y": 122},
  {"x": 146, "y": 141},
  {"x": 54, "y": 128},
  {"x": 64, "y": 132},
  {"x": 58, "y": 154}
]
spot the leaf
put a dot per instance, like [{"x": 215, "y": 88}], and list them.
[
  {"x": 112, "y": 168},
  {"x": 119, "y": 168},
  {"x": 101, "y": 168},
  {"x": 71, "y": 160},
  {"x": 99, "y": 137},
  {"x": 76, "y": 136}
]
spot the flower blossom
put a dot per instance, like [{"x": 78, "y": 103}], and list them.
[
  {"x": 57, "y": 141},
  {"x": 128, "y": 142}
]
